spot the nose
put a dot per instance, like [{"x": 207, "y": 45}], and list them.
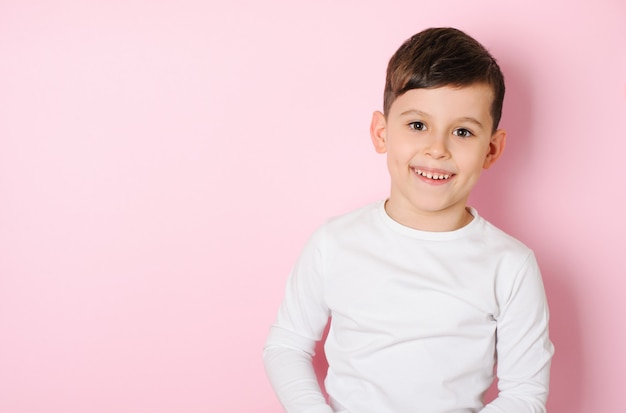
[{"x": 437, "y": 147}]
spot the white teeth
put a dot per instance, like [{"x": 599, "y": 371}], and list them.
[{"x": 431, "y": 175}]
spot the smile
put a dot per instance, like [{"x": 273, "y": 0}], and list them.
[{"x": 432, "y": 175}]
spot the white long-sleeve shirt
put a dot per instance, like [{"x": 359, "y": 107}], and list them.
[{"x": 417, "y": 320}]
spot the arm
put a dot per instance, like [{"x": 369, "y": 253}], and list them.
[
  {"x": 301, "y": 320},
  {"x": 523, "y": 348},
  {"x": 292, "y": 376}
]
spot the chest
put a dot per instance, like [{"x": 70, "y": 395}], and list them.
[{"x": 412, "y": 293}]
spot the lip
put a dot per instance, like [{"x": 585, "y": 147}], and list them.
[{"x": 433, "y": 176}]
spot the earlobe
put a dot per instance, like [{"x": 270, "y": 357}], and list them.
[
  {"x": 378, "y": 132},
  {"x": 496, "y": 147}
]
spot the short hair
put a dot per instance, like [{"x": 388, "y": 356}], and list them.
[{"x": 439, "y": 57}]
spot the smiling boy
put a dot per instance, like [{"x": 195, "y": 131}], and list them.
[
  {"x": 437, "y": 142},
  {"x": 423, "y": 294}
]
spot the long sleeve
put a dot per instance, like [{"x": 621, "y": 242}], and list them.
[
  {"x": 301, "y": 320},
  {"x": 524, "y": 350},
  {"x": 292, "y": 376}
]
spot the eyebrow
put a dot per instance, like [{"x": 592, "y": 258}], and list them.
[
  {"x": 471, "y": 120},
  {"x": 426, "y": 115},
  {"x": 414, "y": 112}
]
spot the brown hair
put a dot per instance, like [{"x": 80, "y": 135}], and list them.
[{"x": 439, "y": 57}]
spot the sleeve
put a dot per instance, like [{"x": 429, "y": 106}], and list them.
[
  {"x": 300, "y": 323},
  {"x": 524, "y": 350}
]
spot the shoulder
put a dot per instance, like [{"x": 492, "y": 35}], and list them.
[
  {"x": 495, "y": 238},
  {"x": 514, "y": 261},
  {"x": 359, "y": 224},
  {"x": 356, "y": 218},
  {"x": 508, "y": 257}
]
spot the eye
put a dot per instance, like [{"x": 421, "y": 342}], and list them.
[
  {"x": 462, "y": 133},
  {"x": 419, "y": 126}
]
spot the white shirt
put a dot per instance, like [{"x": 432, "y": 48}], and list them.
[{"x": 414, "y": 320}]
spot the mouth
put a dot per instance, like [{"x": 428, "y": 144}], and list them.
[{"x": 435, "y": 176}]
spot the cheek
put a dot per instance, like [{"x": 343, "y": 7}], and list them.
[
  {"x": 403, "y": 148},
  {"x": 393, "y": 162},
  {"x": 471, "y": 163}
]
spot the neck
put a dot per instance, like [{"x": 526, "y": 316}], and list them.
[{"x": 438, "y": 221}]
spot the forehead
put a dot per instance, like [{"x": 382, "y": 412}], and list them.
[{"x": 446, "y": 102}]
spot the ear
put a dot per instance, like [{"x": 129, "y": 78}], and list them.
[
  {"x": 378, "y": 132},
  {"x": 496, "y": 147}
]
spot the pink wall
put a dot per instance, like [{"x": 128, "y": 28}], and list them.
[{"x": 162, "y": 163}]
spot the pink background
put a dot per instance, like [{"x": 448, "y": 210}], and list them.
[{"x": 163, "y": 162}]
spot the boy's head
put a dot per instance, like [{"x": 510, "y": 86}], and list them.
[{"x": 439, "y": 57}]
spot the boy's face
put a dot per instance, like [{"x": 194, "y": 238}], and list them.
[{"x": 437, "y": 142}]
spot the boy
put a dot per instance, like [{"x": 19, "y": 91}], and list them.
[{"x": 423, "y": 294}]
